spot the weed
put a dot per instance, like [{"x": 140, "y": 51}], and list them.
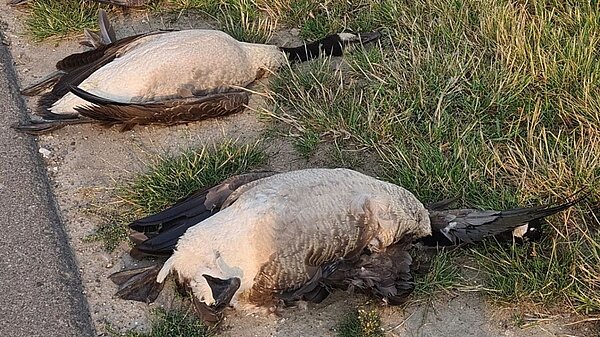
[
  {"x": 172, "y": 324},
  {"x": 442, "y": 275},
  {"x": 362, "y": 322}
]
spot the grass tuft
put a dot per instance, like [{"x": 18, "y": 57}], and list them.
[
  {"x": 169, "y": 179},
  {"x": 172, "y": 324},
  {"x": 172, "y": 178},
  {"x": 560, "y": 269},
  {"x": 242, "y": 19},
  {"x": 443, "y": 274},
  {"x": 59, "y": 18},
  {"x": 362, "y": 322}
]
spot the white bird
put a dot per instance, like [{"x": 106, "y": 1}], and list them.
[
  {"x": 264, "y": 237},
  {"x": 165, "y": 77}
]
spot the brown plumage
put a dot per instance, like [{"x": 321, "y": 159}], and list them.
[
  {"x": 167, "y": 112},
  {"x": 298, "y": 235}
]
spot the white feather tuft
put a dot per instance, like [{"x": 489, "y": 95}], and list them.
[
  {"x": 348, "y": 37},
  {"x": 165, "y": 270}
]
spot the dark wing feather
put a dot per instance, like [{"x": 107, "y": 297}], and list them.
[
  {"x": 470, "y": 225},
  {"x": 78, "y": 67},
  {"x": 385, "y": 275},
  {"x": 167, "y": 112},
  {"x": 165, "y": 228}
]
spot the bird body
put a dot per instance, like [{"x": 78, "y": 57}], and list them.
[
  {"x": 273, "y": 238},
  {"x": 262, "y": 237},
  {"x": 176, "y": 64},
  {"x": 163, "y": 77}
]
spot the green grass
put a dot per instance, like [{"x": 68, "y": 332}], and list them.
[
  {"x": 442, "y": 274},
  {"x": 363, "y": 322},
  {"x": 172, "y": 178},
  {"x": 241, "y": 19},
  {"x": 168, "y": 179},
  {"x": 58, "y": 18},
  {"x": 564, "y": 269},
  {"x": 172, "y": 324}
]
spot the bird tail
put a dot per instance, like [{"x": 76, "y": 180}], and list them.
[
  {"x": 451, "y": 227},
  {"x": 139, "y": 284},
  {"x": 41, "y": 127}
]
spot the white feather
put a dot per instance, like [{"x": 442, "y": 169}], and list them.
[{"x": 159, "y": 66}]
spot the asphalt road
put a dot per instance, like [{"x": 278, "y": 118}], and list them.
[{"x": 40, "y": 288}]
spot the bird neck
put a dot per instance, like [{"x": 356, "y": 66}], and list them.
[
  {"x": 266, "y": 57},
  {"x": 331, "y": 45}
]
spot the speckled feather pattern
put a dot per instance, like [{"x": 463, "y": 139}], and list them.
[
  {"x": 279, "y": 228},
  {"x": 175, "y": 64}
]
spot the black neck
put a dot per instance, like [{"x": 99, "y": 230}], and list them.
[{"x": 332, "y": 45}]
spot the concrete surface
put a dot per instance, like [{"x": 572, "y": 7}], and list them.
[{"x": 39, "y": 282}]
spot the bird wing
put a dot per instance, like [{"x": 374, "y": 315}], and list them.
[
  {"x": 77, "y": 67},
  {"x": 163, "y": 230},
  {"x": 167, "y": 112},
  {"x": 470, "y": 225}
]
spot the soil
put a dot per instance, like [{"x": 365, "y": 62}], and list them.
[{"x": 85, "y": 163}]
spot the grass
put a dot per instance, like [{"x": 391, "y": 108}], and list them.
[
  {"x": 172, "y": 178},
  {"x": 168, "y": 179},
  {"x": 58, "y": 18},
  {"x": 363, "y": 322},
  {"x": 498, "y": 106},
  {"x": 443, "y": 274},
  {"x": 172, "y": 324},
  {"x": 563, "y": 269}
]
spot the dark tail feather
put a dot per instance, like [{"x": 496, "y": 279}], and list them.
[
  {"x": 138, "y": 284},
  {"x": 107, "y": 32},
  {"x": 45, "y": 83},
  {"x": 43, "y": 127},
  {"x": 470, "y": 225}
]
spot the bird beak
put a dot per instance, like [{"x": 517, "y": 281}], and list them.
[{"x": 369, "y": 37}]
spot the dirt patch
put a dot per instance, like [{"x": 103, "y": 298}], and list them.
[{"x": 85, "y": 162}]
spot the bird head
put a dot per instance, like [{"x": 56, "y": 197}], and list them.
[{"x": 336, "y": 43}]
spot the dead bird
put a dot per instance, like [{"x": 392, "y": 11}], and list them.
[
  {"x": 267, "y": 237},
  {"x": 165, "y": 77}
]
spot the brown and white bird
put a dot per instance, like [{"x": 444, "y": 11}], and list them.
[
  {"x": 266, "y": 237},
  {"x": 165, "y": 77}
]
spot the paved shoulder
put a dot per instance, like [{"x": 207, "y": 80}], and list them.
[{"x": 41, "y": 293}]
